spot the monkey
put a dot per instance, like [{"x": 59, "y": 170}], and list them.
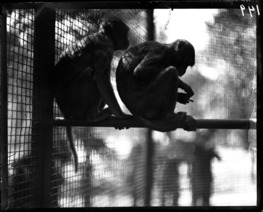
[
  {"x": 147, "y": 78},
  {"x": 81, "y": 78}
]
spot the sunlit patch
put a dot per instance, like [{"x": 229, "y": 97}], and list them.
[
  {"x": 122, "y": 145},
  {"x": 76, "y": 201},
  {"x": 82, "y": 154},
  {"x": 208, "y": 72},
  {"x": 177, "y": 25},
  {"x": 161, "y": 137},
  {"x": 69, "y": 173}
]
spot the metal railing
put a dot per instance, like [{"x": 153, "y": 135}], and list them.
[{"x": 134, "y": 123}]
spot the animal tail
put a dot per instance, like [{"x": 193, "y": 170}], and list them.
[{"x": 72, "y": 146}]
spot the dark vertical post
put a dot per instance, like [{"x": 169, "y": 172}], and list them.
[
  {"x": 150, "y": 24},
  {"x": 3, "y": 113},
  {"x": 149, "y": 167},
  {"x": 149, "y": 140},
  {"x": 259, "y": 109},
  {"x": 87, "y": 175},
  {"x": 44, "y": 43}
]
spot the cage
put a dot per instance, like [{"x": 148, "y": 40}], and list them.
[{"x": 136, "y": 166}]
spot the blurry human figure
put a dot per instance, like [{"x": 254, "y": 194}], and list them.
[
  {"x": 201, "y": 176},
  {"x": 137, "y": 177},
  {"x": 22, "y": 181},
  {"x": 170, "y": 181}
]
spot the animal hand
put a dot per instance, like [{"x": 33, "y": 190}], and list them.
[
  {"x": 121, "y": 128},
  {"x": 184, "y": 98},
  {"x": 188, "y": 90},
  {"x": 190, "y": 124},
  {"x": 123, "y": 116}
]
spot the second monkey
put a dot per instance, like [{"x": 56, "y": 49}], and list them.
[{"x": 148, "y": 80}]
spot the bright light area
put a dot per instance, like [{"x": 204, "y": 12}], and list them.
[
  {"x": 122, "y": 145},
  {"x": 188, "y": 24},
  {"x": 191, "y": 25}
]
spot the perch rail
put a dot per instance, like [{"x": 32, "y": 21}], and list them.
[{"x": 134, "y": 123}]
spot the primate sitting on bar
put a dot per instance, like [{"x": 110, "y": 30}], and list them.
[
  {"x": 148, "y": 80},
  {"x": 81, "y": 77}
]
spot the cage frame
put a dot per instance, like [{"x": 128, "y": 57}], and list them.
[{"x": 47, "y": 10}]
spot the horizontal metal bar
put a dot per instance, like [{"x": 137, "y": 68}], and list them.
[
  {"x": 226, "y": 124},
  {"x": 130, "y": 4},
  {"x": 135, "y": 123}
]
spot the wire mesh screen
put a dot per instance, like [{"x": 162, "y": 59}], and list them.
[
  {"x": 102, "y": 176},
  {"x": 21, "y": 160},
  {"x": 206, "y": 167},
  {"x": 189, "y": 170}
]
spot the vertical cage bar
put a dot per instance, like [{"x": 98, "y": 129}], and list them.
[
  {"x": 149, "y": 167},
  {"x": 259, "y": 103},
  {"x": 150, "y": 143},
  {"x": 3, "y": 114},
  {"x": 44, "y": 54},
  {"x": 150, "y": 24}
]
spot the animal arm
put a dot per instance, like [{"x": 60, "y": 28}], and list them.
[
  {"x": 182, "y": 84},
  {"x": 108, "y": 96},
  {"x": 102, "y": 78},
  {"x": 186, "y": 88},
  {"x": 101, "y": 65}
]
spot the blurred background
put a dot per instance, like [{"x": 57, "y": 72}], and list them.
[{"x": 141, "y": 167}]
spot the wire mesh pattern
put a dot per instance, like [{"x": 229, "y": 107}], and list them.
[
  {"x": 231, "y": 47},
  {"x": 101, "y": 178},
  {"x": 21, "y": 161},
  {"x": 187, "y": 168}
]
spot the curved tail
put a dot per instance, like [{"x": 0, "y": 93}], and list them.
[{"x": 72, "y": 146}]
